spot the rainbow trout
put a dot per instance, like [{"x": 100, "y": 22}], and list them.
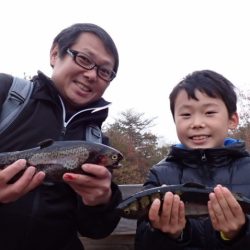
[
  {"x": 195, "y": 197},
  {"x": 58, "y": 157}
]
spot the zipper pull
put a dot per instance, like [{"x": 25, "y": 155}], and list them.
[
  {"x": 203, "y": 157},
  {"x": 63, "y": 131}
]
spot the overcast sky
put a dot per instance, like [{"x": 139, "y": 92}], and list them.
[{"x": 159, "y": 42}]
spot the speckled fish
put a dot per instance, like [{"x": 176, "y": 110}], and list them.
[
  {"x": 58, "y": 157},
  {"x": 195, "y": 197}
]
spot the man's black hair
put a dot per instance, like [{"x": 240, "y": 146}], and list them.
[{"x": 68, "y": 37}]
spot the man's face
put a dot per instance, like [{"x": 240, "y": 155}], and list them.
[
  {"x": 79, "y": 86},
  {"x": 203, "y": 123}
]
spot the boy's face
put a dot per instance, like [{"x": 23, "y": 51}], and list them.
[{"x": 203, "y": 123}]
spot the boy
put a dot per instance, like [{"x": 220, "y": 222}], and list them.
[{"x": 203, "y": 106}]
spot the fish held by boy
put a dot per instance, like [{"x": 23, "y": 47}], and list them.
[
  {"x": 195, "y": 197},
  {"x": 58, "y": 157}
]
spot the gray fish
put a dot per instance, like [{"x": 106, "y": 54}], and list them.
[
  {"x": 58, "y": 157},
  {"x": 195, "y": 197}
]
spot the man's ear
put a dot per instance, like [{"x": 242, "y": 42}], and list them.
[
  {"x": 233, "y": 121},
  {"x": 53, "y": 55}
]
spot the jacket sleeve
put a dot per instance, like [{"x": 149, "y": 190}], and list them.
[
  {"x": 205, "y": 237},
  {"x": 5, "y": 83},
  {"x": 99, "y": 221},
  {"x": 241, "y": 242}
]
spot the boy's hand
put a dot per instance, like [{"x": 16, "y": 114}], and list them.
[
  {"x": 225, "y": 212},
  {"x": 170, "y": 218}
]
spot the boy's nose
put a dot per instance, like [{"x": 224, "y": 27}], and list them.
[{"x": 197, "y": 123}]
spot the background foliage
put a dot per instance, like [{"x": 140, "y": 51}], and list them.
[{"x": 131, "y": 135}]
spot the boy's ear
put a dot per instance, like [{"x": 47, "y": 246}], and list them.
[{"x": 233, "y": 121}]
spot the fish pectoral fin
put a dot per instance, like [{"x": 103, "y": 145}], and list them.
[{"x": 45, "y": 143}]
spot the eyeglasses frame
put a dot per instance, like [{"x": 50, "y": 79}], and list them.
[{"x": 75, "y": 53}]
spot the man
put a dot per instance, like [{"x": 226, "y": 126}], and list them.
[{"x": 38, "y": 215}]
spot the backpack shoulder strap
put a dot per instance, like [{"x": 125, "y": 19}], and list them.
[
  {"x": 93, "y": 133},
  {"x": 18, "y": 96}
]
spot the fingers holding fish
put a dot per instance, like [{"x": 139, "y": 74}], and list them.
[
  {"x": 10, "y": 171},
  {"x": 170, "y": 218},
  {"x": 224, "y": 204},
  {"x": 90, "y": 172},
  {"x": 173, "y": 213},
  {"x": 96, "y": 170},
  {"x": 94, "y": 188},
  {"x": 225, "y": 212},
  {"x": 154, "y": 211},
  {"x": 211, "y": 212},
  {"x": 27, "y": 181},
  {"x": 170, "y": 208},
  {"x": 218, "y": 202},
  {"x": 235, "y": 208},
  {"x": 160, "y": 211}
]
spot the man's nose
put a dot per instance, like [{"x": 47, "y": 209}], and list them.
[{"x": 91, "y": 73}]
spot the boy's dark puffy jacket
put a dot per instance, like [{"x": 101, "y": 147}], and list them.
[
  {"x": 229, "y": 166},
  {"x": 49, "y": 217}
]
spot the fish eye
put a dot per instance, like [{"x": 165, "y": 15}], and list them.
[
  {"x": 126, "y": 211},
  {"x": 114, "y": 157}
]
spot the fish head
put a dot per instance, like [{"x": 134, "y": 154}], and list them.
[
  {"x": 108, "y": 157},
  {"x": 130, "y": 210},
  {"x": 135, "y": 207}
]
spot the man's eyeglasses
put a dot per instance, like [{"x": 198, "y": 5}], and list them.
[{"x": 85, "y": 62}]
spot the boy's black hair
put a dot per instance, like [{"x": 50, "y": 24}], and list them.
[
  {"x": 210, "y": 83},
  {"x": 68, "y": 37}
]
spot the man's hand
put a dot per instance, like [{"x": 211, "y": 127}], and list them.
[
  {"x": 95, "y": 188},
  {"x": 28, "y": 181}
]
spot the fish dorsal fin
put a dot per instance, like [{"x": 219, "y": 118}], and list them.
[
  {"x": 194, "y": 185},
  {"x": 45, "y": 143}
]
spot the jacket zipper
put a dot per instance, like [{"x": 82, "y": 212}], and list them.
[
  {"x": 203, "y": 156},
  {"x": 204, "y": 165}
]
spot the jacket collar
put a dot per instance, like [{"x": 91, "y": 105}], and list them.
[{"x": 214, "y": 157}]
